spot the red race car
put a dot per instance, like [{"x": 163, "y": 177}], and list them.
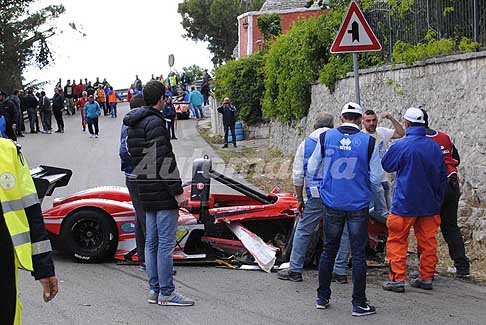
[{"x": 251, "y": 226}]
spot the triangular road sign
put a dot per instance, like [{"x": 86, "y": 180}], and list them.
[{"x": 355, "y": 34}]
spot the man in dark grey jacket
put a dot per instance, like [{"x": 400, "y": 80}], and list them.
[{"x": 160, "y": 192}]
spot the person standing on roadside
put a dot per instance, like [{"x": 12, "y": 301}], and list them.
[
  {"x": 420, "y": 186},
  {"x": 45, "y": 110},
  {"x": 448, "y": 211},
  {"x": 24, "y": 243},
  {"x": 381, "y": 200},
  {"x": 312, "y": 211},
  {"x": 57, "y": 108},
  {"x": 170, "y": 114},
  {"x": 160, "y": 192},
  {"x": 31, "y": 103},
  {"x": 196, "y": 100},
  {"x": 127, "y": 167},
  {"x": 9, "y": 111},
  {"x": 100, "y": 96},
  {"x": 81, "y": 102},
  {"x": 173, "y": 83},
  {"x": 18, "y": 107},
  {"x": 92, "y": 112},
  {"x": 113, "y": 98},
  {"x": 69, "y": 96},
  {"x": 348, "y": 158},
  {"x": 229, "y": 120}
]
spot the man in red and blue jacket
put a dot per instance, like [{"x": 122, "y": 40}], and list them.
[{"x": 420, "y": 187}]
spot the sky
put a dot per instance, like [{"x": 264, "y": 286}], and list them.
[{"x": 123, "y": 38}]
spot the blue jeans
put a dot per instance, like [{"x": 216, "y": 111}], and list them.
[
  {"x": 378, "y": 204},
  {"x": 159, "y": 246},
  {"x": 198, "y": 111},
  {"x": 387, "y": 188},
  {"x": 334, "y": 223},
  {"x": 313, "y": 212},
  {"x": 193, "y": 110}
]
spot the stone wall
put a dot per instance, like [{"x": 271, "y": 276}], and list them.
[{"x": 453, "y": 91}]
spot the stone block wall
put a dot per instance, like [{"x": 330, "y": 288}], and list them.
[{"x": 452, "y": 90}]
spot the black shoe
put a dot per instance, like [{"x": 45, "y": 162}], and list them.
[
  {"x": 343, "y": 279},
  {"x": 290, "y": 275},
  {"x": 463, "y": 274},
  {"x": 174, "y": 138},
  {"x": 363, "y": 310},
  {"x": 421, "y": 284},
  {"x": 234, "y": 145},
  {"x": 20, "y": 135},
  {"x": 62, "y": 131},
  {"x": 58, "y": 131},
  {"x": 33, "y": 132},
  {"x": 225, "y": 145},
  {"x": 322, "y": 303}
]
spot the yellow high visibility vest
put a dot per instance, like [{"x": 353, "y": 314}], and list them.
[
  {"x": 17, "y": 192},
  {"x": 173, "y": 81}
]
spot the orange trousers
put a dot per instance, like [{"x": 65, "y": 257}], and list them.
[{"x": 425, "y": 229}]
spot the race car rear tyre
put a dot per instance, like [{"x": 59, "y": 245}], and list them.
[{"x": 89, "y": 235}]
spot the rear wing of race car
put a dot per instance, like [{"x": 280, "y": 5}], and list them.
[{"x": 47, "y": 178}]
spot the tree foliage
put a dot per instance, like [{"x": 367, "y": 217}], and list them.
[
  {"x": 215, "y": 22},
  {"x": 194, "y": 72},
  {"x": 243, "y": 81},
  {"x": 269, "y": 25},
  {"x": 23, "y": 38}
]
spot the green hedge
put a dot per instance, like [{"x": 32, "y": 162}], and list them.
[
  {"x": 243, "y": 81},
  {"x": 293, "y": 63}
]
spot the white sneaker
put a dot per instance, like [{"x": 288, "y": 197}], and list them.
[
  {"x": 96, "y": 136},
  {"x": 91, "y": 136}
]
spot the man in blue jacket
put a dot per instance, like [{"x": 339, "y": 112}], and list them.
[
  {"x": 92, "y": 111},
  {"x": 420, "y": 187},
  {"x": 348, "y": 157}
]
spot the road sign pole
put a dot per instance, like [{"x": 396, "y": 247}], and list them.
[{"x": 356, "y": 78}]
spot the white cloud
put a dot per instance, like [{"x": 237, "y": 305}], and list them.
[{"x": 123, "y": 38}]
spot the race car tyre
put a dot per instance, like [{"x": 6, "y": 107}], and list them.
[{"x": 89, "y": 235}]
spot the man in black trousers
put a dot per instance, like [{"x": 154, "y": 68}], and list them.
[{"x": 229, "y": 120}]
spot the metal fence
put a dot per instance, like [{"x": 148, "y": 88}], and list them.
[{"x": 448, "y": 18}]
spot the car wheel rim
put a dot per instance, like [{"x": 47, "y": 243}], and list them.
[{"x": 88, "y": 234}]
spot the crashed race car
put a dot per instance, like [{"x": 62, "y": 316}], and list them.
[
  {"x": 250, "y": 227},
  {"x": 182, "y": 110}
]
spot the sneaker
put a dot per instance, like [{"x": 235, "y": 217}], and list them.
[
  {"x": 142, "y": 267},
  {"x": 84, "y": 129},
  {"x": 342, "y": 279},
  {"x": 363, "y": 310},
  {"x": 175, "y": 299},
  {"x": 91, "y": 135},
  {"x": 322, "y": 303},
  {"x": 96, "y": 136},
  {"x": 58, "y": 131},
  {"x": 395, "y": 286},
  {"x": 152, "y": 298},
  {"x": 290, "y": 275},
  {"x": 234, "y": 145},
  {"x": 225, "y": 145},
  {"x": 421, "y": 284},
  {"x": 463, "y": 275},
  {"x": 174, "y": 138}
]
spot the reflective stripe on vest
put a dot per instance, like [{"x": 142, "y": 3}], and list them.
[{"x": 17, "y": 192}]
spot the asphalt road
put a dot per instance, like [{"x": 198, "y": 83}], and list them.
[{"x": 107, "y": 293}]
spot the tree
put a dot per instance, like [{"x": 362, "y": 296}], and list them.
[
  {"x": 194, "y": 72},
  {"x": 23, "y": 39},
  {"x": 215, "y": 22}
]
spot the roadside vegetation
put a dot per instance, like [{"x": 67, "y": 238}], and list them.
[{"x": 275, "y": 83}]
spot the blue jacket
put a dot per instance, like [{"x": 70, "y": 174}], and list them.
[
  {"x": 421, "y": 179},
  {"x": 196, "y": 98},
  {"x": 346, "y": 154},
  {"x": 92, "y": 110},
  {"x": 169, "y": 111}
]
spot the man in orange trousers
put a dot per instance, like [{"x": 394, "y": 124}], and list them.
[{"x": 420, "y": 187}]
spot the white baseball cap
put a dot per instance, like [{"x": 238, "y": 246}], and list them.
[
  {"x": 414, "y": 115},
  {"x": 352, "y": 108}
]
